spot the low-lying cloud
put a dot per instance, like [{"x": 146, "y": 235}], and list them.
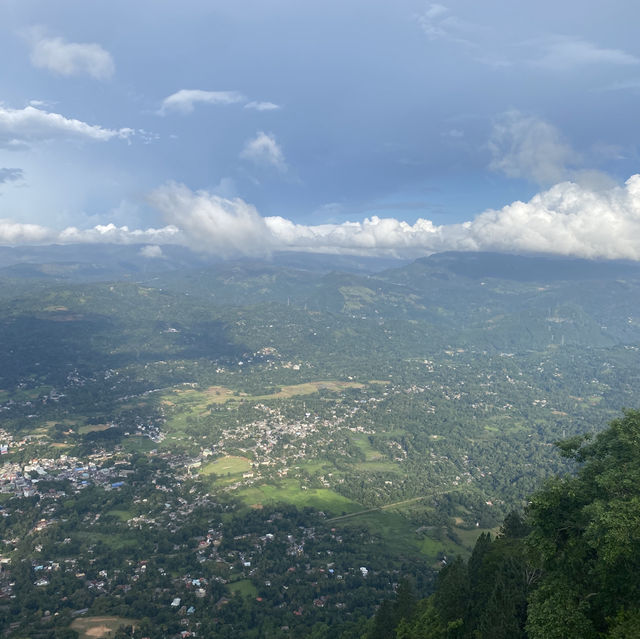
[{"x": 567, "y": 219}]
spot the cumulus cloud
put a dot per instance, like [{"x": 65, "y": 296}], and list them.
[
  {"x": 184, "y": 101},
  {"x": 563, "y": 53},
  {"x": 525, "y": 146},
  {"x": 264, "y": 150},
  {"x": 69, "y": 58},
  {"x": 112, "y": 234},
  {"x": 567, "y": 219},
  {"x": 10, "y": 175},
  {"x": 16, "y": 233},
  {"x": 212, "y": 223},
  {"x": 21, "y": 127},
  {"x": 262, "y": 106}
]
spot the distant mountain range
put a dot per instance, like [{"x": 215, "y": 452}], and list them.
[{"x": 104, "y": 262}]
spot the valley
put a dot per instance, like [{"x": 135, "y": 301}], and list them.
[{"x": 277, "y": 447}]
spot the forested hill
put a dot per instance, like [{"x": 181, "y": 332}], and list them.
[{"x": 568, "y": 569}]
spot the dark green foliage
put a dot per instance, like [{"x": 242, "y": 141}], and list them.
[
  {"x": 586, "y": 529},
  {"x": 569, "y": 570}
]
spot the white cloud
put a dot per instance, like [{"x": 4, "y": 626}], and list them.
[
  {"x": 19, "y": 127},
  {"x": 17, "y": 233},
  {"x": 262, "y": 106},
  {"x": 112, "y": 234},
  {"x": 567, "y": 219},
  {"x": 69, "y": 58},
  {"x": 564, "y": 53},
  {"x": 184, "y": 100},
  {"x": 524, "y": 146},
  {"x": 151, "y": 251},
  {"x": 212, "y": 223},
  {"x": 264, "y": 150}
]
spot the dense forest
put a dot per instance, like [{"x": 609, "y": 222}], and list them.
[{"x": 568, "y": 568}]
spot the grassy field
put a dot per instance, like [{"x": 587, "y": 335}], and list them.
[
  {"x": 221, "y": 394},
  {"x": 289, "y": 491},
  {"x": 228, "y": 465},
  {"x": 243, "y": 587},
  {"x": 361, "y": 440},
  {"x": 378, "y": 467},
  {"x": 93, "y": 428},
  {"x": 116, "y": 541},
  {"x": 98, "y": 627},
  {"x": 122, "y": 515}
]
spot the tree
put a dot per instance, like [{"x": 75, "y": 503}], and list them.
[{"x": 586, "y": 529}]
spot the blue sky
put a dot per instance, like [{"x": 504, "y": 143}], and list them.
[{"x": 355, "y": 126}]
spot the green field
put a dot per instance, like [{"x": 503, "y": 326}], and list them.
[
  {"x": 93, "y": 428},
  {"x": 228, "y": 465},
  {"x": 122, "y": 515},
  {"x": 289, "y": 491},
  {"x": 221, "y": 394},
  {"x": 361, "y": 440},
  {"x": 243, "y": 587}
]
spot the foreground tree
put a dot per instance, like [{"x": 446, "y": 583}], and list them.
[
  {"x": 569, "y": 570},
  {"x": 586, "y": 529}
]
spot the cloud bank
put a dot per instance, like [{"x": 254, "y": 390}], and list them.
[{"x": 567, "y": 219}]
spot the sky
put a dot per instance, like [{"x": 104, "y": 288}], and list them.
[{"x": 243, "y": 127}]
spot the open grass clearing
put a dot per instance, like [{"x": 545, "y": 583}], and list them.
[
  {"x": 93, "y": 428},
  {"x": 99, "y": 627},
  {"x": 221, "y": 394},
  {"x": 361, "y": 440},
  {"x": 377, "y": 467},
  {"x": 229, "y": 465},
  {"x": 290, "y": 491},
  {"x": 243, "y": 587},
  {"x": 122, "y": 515},
  {"x": 117, "y": 540}
]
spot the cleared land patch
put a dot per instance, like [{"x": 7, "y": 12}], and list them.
[
  {"x": 221, "y": 394},
  {"x": 229, "y": 465},
  {"x": 291, "y": 492},
  {"x": 98, "y": 627},
  {"x": 243, "y": 587}
]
